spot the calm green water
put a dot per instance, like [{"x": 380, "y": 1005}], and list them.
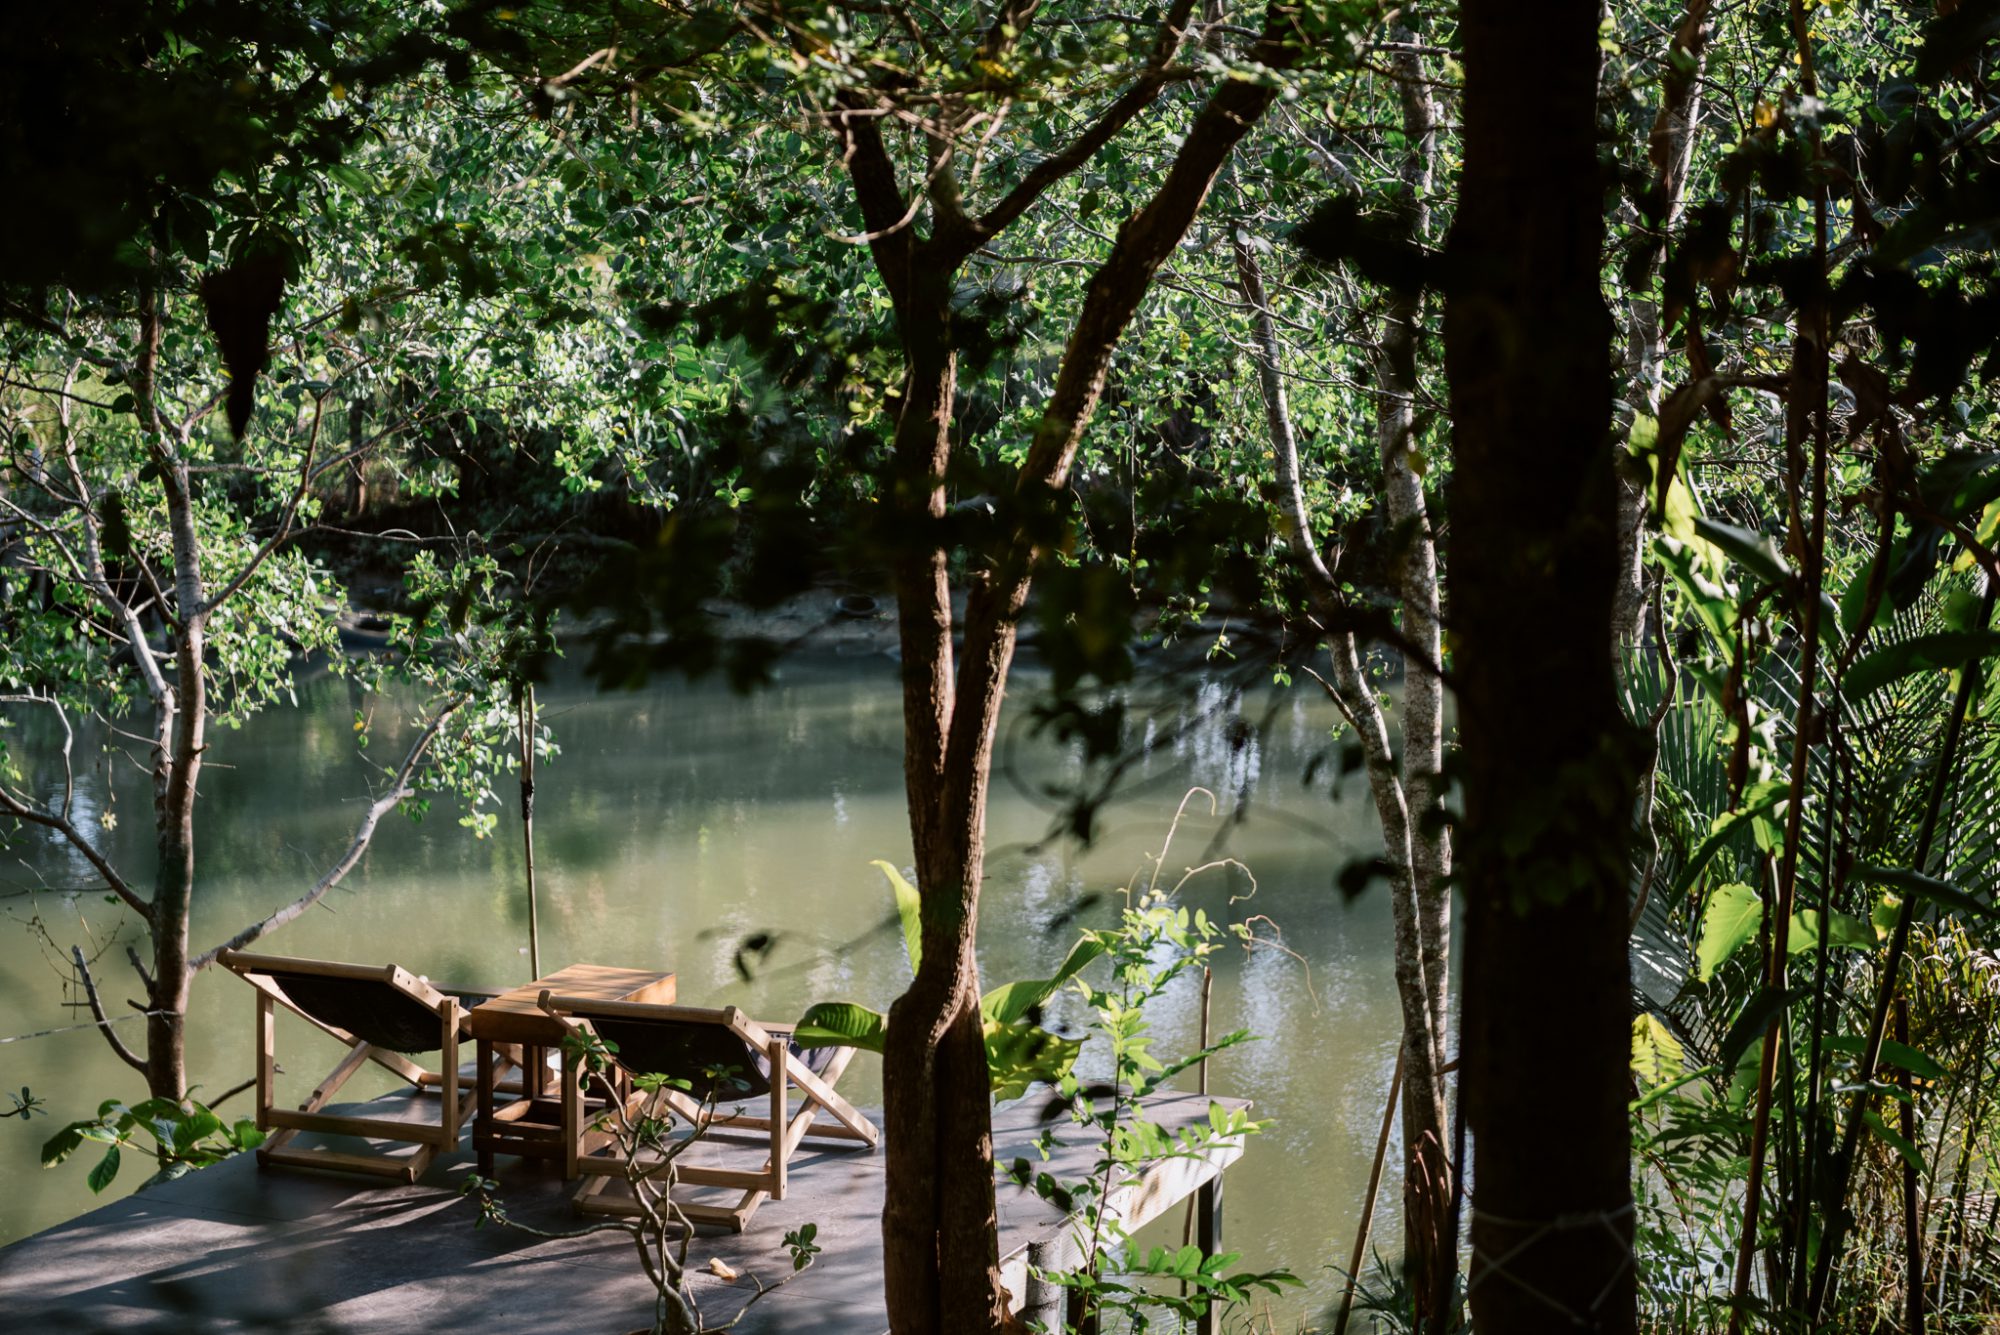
[{"x": 682, "y": 818}]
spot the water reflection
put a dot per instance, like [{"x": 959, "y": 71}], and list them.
[{"x": 679, "y": 819}]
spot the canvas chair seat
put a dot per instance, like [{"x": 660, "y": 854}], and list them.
[
  {"x": 384, "y": 1015},
  {"x": 727, "y": 1061},
  {"x": 691, "y": 1051}
]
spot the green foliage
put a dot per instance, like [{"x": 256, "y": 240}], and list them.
[
  {"x": 1155, "y": 943},
  {"x": 184, "y": 1135},
  {"x": 1019, "y": 1051}
]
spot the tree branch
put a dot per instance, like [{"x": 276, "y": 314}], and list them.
[
  {"x": 118, "y": 1047},
  {"x": 49, "y": 820},
  {"x": 399, "y": 789},
  {"x": 285, "y": 519},
  {"x": 1116, "y": 117}
]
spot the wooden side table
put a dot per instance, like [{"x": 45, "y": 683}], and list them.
[{"x": 531, "y": 1126}]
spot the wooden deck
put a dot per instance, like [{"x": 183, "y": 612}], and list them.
[{"x": 234, "y": 1249}]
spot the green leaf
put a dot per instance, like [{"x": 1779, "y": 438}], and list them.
[
  {"x": 1019, "y": 1054},
  {"x": 1731, "y": 918},
  {"x": 1893, "y": 1140},
  {"x": 1011, "y": 1001},
  {"x": 1720, "y": 834},
  {"x": 1657, "y": 1056},
  {"x": 1754, "y": 551},
  {"x": 1938, "y": 652},
  {"x": 1845, "y": 932},
  {"x": 62, "y": 1144},
  {"x": 105, "y": 1169},
  {"x": 841, "y": 1024},
  {"x": 1899, "y": 1055},
  {"x": 909, "y": 908},
  {"x": 1750, "y": 1024},
  {"x": 1942, "y": 893}
]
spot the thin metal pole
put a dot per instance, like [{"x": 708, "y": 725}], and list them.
[
  {"x": 1368, "y": 1206},
  {"x": 526, "y": 715}
]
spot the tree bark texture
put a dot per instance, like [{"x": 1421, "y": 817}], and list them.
[{"x": 1547, "y": 759}]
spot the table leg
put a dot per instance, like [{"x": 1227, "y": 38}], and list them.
[{"x": 482, "y": 1124}]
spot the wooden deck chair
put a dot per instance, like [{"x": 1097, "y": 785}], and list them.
[
  {"x": 385, "y": 1015},
  {"x": 730, "y": 1063}
]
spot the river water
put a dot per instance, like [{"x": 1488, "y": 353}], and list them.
[{"x": 682, "y": 819}]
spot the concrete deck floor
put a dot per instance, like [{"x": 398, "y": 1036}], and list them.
[{"x": 232, "y": 1248}]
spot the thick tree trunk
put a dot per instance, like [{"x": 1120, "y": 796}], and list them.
[
  {"x": 939, "y": 1221},
  {"x": 1547, "y": 758}
]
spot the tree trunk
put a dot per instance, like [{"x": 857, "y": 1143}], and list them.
[
  {"x": 1669, "y": 150},
  {"x": 1430, "y": 1255},
  {"x": 939, "y": 1224},
  {"x": 181, "y": 742},
  {"x": 1548, "y": 761}
]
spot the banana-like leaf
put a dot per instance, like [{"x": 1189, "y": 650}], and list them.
[
  {"x": 1730, "y": 919},
  {"x": 909, "y": 909},
  {"x": 841, "y": 1024},
  {"x": 1845, "y": 931},
  {"x": 1900, "y": 1055},
  {"x": 1010, "y": 1001},
  {"x": 1019, "y": 1054}
]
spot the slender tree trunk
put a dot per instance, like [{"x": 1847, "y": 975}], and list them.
[
  {"x": 183, "y": 714},
  {"x": 939, "y": 1223},
  {"x": 1670, "y": 150},
  {"x": 1429, "y": 1244},
  {"x": 1426, "y": 1176},
  {"x": 1547, "y": 759}
]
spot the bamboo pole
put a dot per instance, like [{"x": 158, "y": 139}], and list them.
[
  {"x": 1368, "y": 1206},
  {"x": 1913, "y": 1223}
]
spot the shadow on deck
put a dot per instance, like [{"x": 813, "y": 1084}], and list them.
[{"x": 231, "y": 1248}]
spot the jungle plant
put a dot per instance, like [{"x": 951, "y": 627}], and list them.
[
  {"x": 1155, "y": 944},
  {"x": 1019, "y": 1051},
  {"x": 184, "y": 1134}
]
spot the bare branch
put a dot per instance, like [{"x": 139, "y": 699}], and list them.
[
  {"x": 49, "y": 820},
  {"x": 285, "y": 519},
  {"x": 118, "y": 1047},
  {"x": 399, "y": 789},
  {"x": 69, "y": 741}
]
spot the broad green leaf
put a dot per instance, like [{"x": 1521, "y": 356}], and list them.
[
  {"x": 1844, "y": 932},
  {"x": 1657, "y": 1056},
  {"x": 1720, "y": 834},
  {"x": 841, "y": 1024},
  {"x": 61, "y": 1145},
  {"x": 1019, "y": 1054},
  {"x": 1893, "y": 1139},
  {"x": 1750, "y": 1024},
  {"x": 1010, "y": 1001},
  {"x": 909, "y": 909},
  {"x": 1755, "y": 552},
  {"x": 1731, "y": 918},
  {"x": 1938, "y": 652}
]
